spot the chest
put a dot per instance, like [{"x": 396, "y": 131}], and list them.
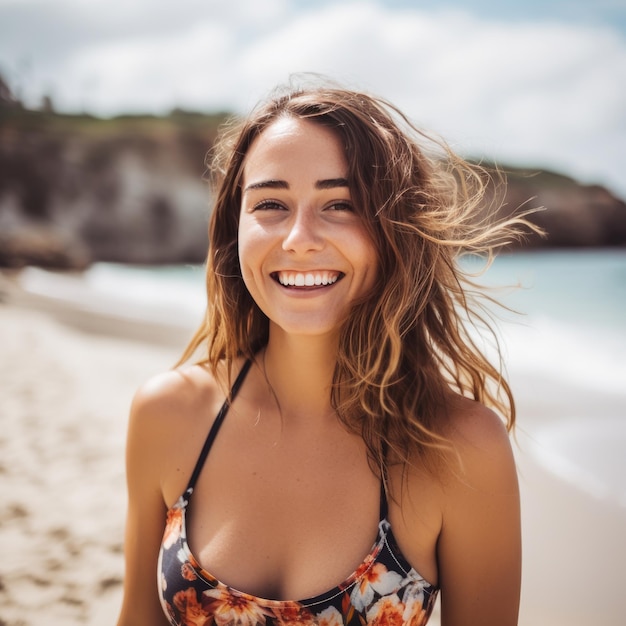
[
  {"x": 284, "y": 515},
  {"x": 288, "y": 513}
]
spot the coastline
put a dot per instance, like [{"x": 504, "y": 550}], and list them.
[
  {"x": 574, "y": 553},
  {"x": 66, "y": 392},
  {"x": 70, "y": 365}
]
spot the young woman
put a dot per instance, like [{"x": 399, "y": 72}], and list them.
[{"x": 329, "y": 458}]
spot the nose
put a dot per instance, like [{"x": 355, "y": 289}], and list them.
[{"x": 304, "y": 233}]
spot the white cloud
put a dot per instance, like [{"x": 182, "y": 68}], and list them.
[
  {"x": 537, "y": 93},
  {"x": 150, "y": 74}
]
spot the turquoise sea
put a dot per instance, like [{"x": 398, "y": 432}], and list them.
[
  {"x": 570, "y": 331},
  {"x": 570, "y": 320}
]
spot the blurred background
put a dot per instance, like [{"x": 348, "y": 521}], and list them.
[{"x": 107, "y": 110}]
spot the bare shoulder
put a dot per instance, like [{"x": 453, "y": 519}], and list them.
[
  {"x": 177, "y": 398},
  {"x": 478, "y": 464},
  {"x": 479, "y": 547},
  {"x": 481, "y": 445},
  {"x": 472, "y": 423},
  {"x": 170, "y": 415}
]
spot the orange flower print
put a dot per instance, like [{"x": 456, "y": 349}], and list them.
[
  {"x": 292, "y": 614},
  {"x": 173, "y": 527},
  {"x": 229, "y": 609},
  {"x": 377, "y": 579},
  {"x": 191, "y": 611},
  {"x": 367, "y": 563},
  {"x": 187, "y": 571},
  {"x": 415, "y": 615},
  {"x": 388, "y": 611},
  {"x": 329, "y": 617},
  {"x": 183, "y": 556}
]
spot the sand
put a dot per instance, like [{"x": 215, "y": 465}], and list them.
[
  {"x": 67, "y": 375},
  {"x": 64, "y": 403}
]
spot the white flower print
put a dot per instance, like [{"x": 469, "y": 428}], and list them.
[{"x": 378, "y": 579}]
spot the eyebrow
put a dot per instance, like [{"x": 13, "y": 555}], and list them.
[
  {"x": 331, "y": 183},
  {"x": 328, "y": 183}
]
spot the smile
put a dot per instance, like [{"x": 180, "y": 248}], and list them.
[{"x": 307, "y": 279}]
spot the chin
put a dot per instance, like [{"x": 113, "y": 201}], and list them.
[{"x": 307, "y": 330}]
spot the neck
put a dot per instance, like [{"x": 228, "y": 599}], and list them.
[{"x": 299, "y": 371}]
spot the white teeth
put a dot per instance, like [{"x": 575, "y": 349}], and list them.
[{"x": 310, "y": 279}]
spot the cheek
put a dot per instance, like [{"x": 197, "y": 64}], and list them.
[
  {"x": 373, "y": 271},
  {"x": 244, "y": 245},
  {"x": 369, "y": 259},
  {"x": 251, "y": 247}
]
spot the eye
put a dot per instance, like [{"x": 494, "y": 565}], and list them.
[
  {"x": 268, "y": 205},
  {"x": 342, "y": 205}
]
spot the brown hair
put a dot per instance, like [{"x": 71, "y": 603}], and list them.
[{"x": 406, "y": 346}]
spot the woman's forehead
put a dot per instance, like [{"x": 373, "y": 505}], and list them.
[{"x": 292, "y": 143}]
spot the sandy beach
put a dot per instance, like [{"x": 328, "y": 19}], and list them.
[{"x": 67, "y": 376}]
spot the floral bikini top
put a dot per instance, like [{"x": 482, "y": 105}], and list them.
[{"x": 384, "y": 589}]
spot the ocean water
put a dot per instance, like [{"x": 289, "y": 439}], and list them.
[
  {"x": 569, "y": 319},
  {"x": 569, "y": 327}
]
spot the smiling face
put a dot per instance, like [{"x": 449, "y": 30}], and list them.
[{"x": 305, "y": 254}]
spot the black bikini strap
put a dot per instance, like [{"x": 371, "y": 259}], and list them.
[
  {"x": 216, "y": 426},
  {"x": 384, "y": 507}
]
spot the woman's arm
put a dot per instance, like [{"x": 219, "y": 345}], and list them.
[
  {"x": 479, "y": 548},
  {"x": 146, "y": 514}
]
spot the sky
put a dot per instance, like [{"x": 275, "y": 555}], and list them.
[{"x": 537, "y": 83}]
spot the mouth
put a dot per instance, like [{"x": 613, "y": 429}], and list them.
[{"x": 307, "y": 279}]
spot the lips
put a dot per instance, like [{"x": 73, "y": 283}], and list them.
[{"x": 307, "y": 279}]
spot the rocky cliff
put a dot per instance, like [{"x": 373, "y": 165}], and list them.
[
  {"x": 572, "y": 215},
  {"x": 75, "y": 189}
]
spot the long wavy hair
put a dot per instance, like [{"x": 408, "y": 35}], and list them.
[{"x": 414, "y": 338}]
